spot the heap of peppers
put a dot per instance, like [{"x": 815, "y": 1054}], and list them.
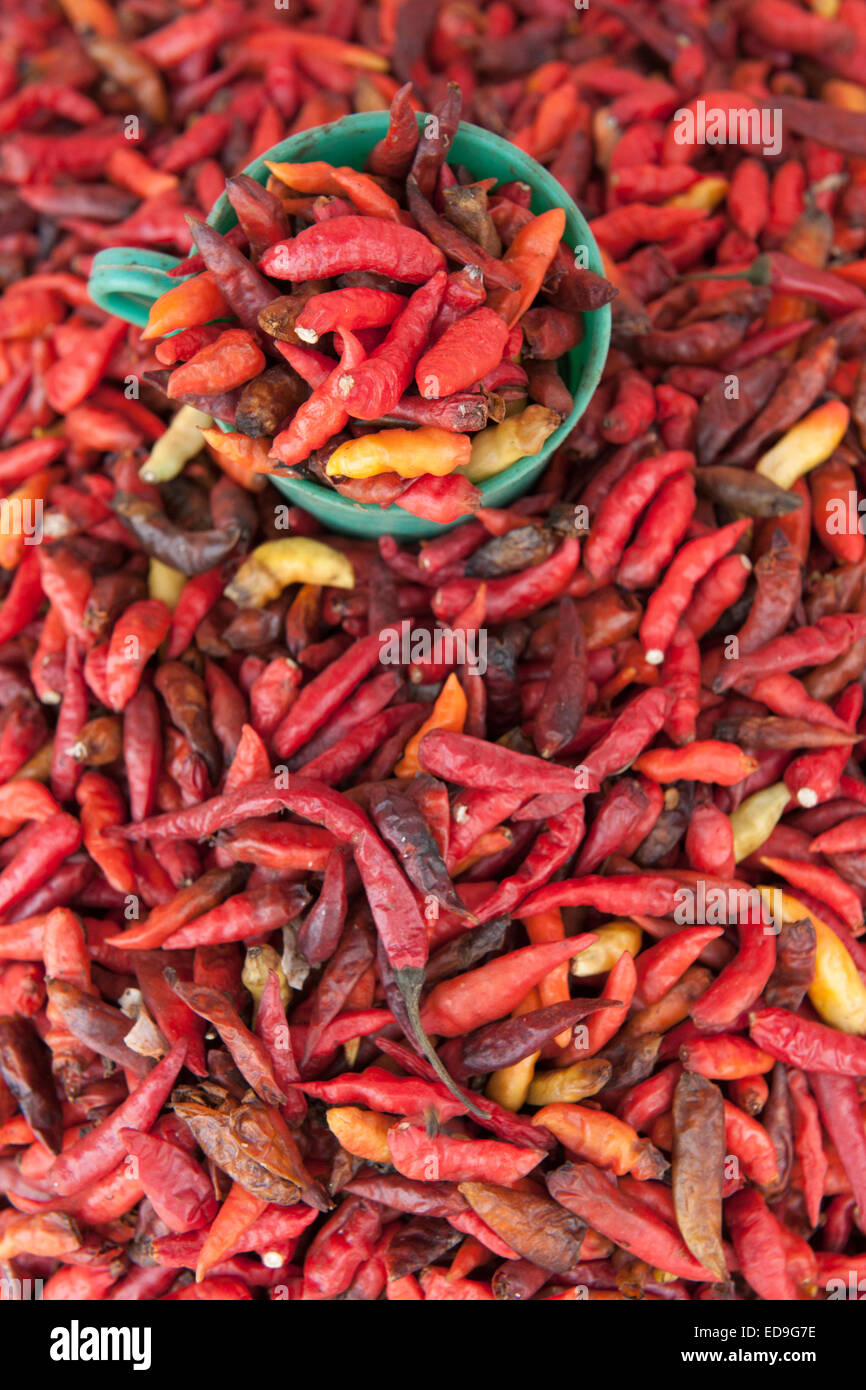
[{"x": 475, "y": 920}]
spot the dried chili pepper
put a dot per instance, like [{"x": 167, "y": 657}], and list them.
[{"x": 354, "y": 243}]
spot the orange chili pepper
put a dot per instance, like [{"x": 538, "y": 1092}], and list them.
[
  {"x": 194, "y": 301},
  {"x": 318, "y": 177},
  {"x": 529, "y": 256},
  {"x": 21, "y": 515},
  {"x": 449, "y": 713}
]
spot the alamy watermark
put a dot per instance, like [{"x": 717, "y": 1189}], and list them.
[
  {"x": 713, "y": 905},
  {"x": 77, "y": 1343},
  {"x": 846, "y": 515},
  {"x": 14, "y": 1290},
  {"x": 404, "y": 646},
  {"x": 701, "y": 124},
  {"x": 22, "y": 516}
]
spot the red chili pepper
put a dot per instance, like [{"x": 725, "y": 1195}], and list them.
[
  {"x": 354, "y": 243},
  {"x": 813, "y": 645},
  {"x": 35, "y": 862},
  {"x": 392, "y": 156},
  {"x": 742, "y": 981},
  {"x": 232, "y": 359},
  {"x": 72, "y": 378},
  {"x": 465, "y": 352},
  {"x": 415, "y": 1155},
  {"x": 101, "y": 808},
  {"x": 584, "y": 1190},
  {"x": 323, "y": 414},
  {"x": 101, "y": 1149},
  {"x": 457, "y": 1006},
  {"x": 246, "y": 915},
  {"x": 372, "y": 388},
  {"x": 176, "y": 1185},
  {"x": 514, "y": 595},
  {"x": 670, "y": 600}
]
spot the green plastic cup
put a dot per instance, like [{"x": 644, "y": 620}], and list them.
[{"x": 125, "y": 281}]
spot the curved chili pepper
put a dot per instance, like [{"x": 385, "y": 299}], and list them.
[
  {"x": 353, "y": 243},
  {"x": 805, "y": 1044},
  {"x": 323, "y": 414},
  {"x": 392, "y": 155},
  {"x": 242, "y": 288},
  {"x": 101, "y": 1149},
  {"x": 193, "y": 552},
  {"x": 581, "y": 1188}
]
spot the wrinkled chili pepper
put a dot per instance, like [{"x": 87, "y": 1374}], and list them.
[{"x": 763, "y": 651}]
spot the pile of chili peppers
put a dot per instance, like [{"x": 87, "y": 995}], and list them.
[
  {"x": 475, "y": 920},
  {"x": 458, "y": 338}
]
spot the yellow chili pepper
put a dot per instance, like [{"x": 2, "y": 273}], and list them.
[
  {"x": 408, "y": 453},
  {"x": 509, "y": 1086},
  {"x": 182, "y": 441},
  {"x": 449, "y": 712},
  {"x": 271, "y": 567},
  {"x": 165, "y": 583},
  {"x": 571, "y": 1084},
  {"x": 499, "y": 446},
  {"x": 706, "y": 193},
  {"x": 837, "y": 992},
  {"x": 806, "y": 445},
  {"x": 756, "y": 817},
  {"x": 363, "y": 1133},
  {"x": 613, "y": 938}
]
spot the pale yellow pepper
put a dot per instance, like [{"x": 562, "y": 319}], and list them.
[
  {"x": 165, "y": 583},
  {"x": 755, "y": 818},
  {"x": 570, "y": 1084},
  {"x": 837, "y": 992},
  {"x": 706, "y": 194},
  {"x": 613, "y": 938},
  {"x": 499, "y": 446},
  {"x": 172, "y": 451},
  {"x": 293, "y": 560}
]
